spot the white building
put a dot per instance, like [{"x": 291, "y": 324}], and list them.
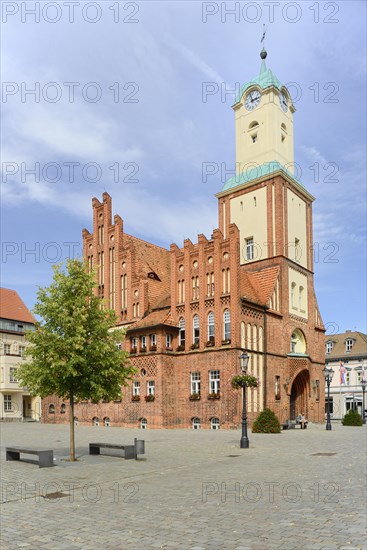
[
  {"x": 346, "y": 354},
  {"x": 16, "y": 403}
]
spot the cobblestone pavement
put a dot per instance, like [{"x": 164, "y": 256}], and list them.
[{"x": 192, "y": 490}]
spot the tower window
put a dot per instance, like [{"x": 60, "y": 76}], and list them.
[
  {"x": 253, "y": 124},
  {"x": 250, "y": 248}
]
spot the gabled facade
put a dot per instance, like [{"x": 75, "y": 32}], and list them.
[
  {"x": 346, "y": 354},
  {"x": 16, "y": 403},
  {"x": 190, "y": 310}
]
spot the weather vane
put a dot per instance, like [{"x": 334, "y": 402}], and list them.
[{"x": 263, "y": 52}]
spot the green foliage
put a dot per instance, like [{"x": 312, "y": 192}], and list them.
[
  {"x": 352, "y": 418},
  {"x": 240, "y": 380},
  {"x": 73, "y": 351},
  {"x": 266, "y": 423}
]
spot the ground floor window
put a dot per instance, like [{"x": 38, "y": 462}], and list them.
[
  {"x": 95, "y": 421},
  {"x": 143, "y": 423},
  {"x": 7, "y": 403},
  {"x": 215, "y": 424},
  {"x": 196, "y": 425},
  {"x": 107, "y": 422}
]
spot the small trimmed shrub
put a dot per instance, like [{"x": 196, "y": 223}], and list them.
[
  {"x": 266, "y": 423},
  {"x": 352, "y": 418}
]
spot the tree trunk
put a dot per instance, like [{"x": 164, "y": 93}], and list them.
[{"x": 72, "y": 436}]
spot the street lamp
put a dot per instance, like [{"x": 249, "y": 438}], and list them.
[
  {"x": 363, "y": 384},
  {"x": 328, "y": 375},
  {"x": 244, "y": 443}
]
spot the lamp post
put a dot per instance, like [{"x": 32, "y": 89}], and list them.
[
  {"x": 328, "y": 375},
  {"x": 244, "y": 443},
  {"x": 363, "y": 384}
]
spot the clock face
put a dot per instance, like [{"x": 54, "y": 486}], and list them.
[
  {"x": 283, "y": 102},
  {"x": 252, "y": 100}
]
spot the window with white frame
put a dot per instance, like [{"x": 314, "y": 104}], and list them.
[
  {"x": 215, "y": 424},
  {"x": 143, "y": 341},
  {"x": 153, "y": 339},
  {"x": 195, "y": 382},
  {"x": 348, "y": 344},
  {"x": 136, "y": 388},
  {"x": 347, "y": 378},
  {"x": 134, "y": 342},
  {"x": 21, "y": 350},
  {"x": 143, "y": 423},
  {"x": 7, "y": 403},
  {"x": 210, "y": 326},
  {"x": 12, "y": 374},
  {"x": 7, "y": 349},
  {"x": 214, "y": 381},
  {"x": 181, "y": 333},
  {"x": 196, "y": 329},
  {"x": 150, "y": 387},
  {"x": 196, "y": 424},
  {"x": 329, "y": 347},
  {"x": 250, "y": 248},
  {"x": 168, "y": 341},
  {"x": 119, "y": 346},
  {"x": 226, "y": 324}
]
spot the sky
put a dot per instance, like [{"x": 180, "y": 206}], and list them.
[{"x": 134, "y": 98}]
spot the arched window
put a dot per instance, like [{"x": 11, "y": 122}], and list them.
[
  {"x": 215, "y": 424},
  {"x": 298, "y": 342},
  {"x": 95, "y": 421},
  {"x": 181, "y": 332},
  {"x": 210, "y": 326},
  {"x": 51, "y": 409},
  {"x": 226, "y": 324},
  {"x": 196, "y": 425},
  {"x": 293, "y": 298},
  {"x": 253, "y": 124},
  {"x": 63, "y": 408},
  {"x": 106, "y": 422},
  {"x": 301, "y": 298},
  {"x": 196, "y": 329},
  {"x": 143, "y": 423}
]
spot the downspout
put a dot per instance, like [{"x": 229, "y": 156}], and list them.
[{"x": 265, "y": 358}]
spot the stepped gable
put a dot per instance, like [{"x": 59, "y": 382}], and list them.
[{"x": 12, "y": 307}]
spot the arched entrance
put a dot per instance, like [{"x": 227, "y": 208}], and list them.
[{"x": 298, "y": 400}]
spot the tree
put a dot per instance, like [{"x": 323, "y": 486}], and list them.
[{"x": 73, "y": 352}]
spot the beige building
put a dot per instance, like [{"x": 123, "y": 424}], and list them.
[
  {"x": 16, "y": 404},
  {"x": 346, "y": 354}
]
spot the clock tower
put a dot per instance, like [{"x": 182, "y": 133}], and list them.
[{"x": 264, "y": 122}]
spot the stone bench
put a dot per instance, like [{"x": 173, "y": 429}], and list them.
[
  {"x": 45, "y": 457},
  {"x": 130, "y": 451}
]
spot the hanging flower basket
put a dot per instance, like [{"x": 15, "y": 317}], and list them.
[{"x": 241, "y": 380}]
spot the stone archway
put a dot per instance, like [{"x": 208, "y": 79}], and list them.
[{"x": 298, "y": 398}]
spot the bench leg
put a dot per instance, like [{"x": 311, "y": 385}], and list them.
[
  {"x": 12, "y": 455},
  {"x": 46, "y": 459},
  {"x": 94, "y": 450},
  {"x": 130, "y": 452}
]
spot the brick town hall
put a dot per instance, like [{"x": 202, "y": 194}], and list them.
[{"x": 190, "y": 311}]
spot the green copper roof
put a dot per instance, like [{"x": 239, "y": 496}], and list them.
[
  {"x": 266, "y": 169},
  {"x": 265, "y": 79}
]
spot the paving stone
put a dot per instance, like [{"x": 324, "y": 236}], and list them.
[{"x": 187, "y": 492}]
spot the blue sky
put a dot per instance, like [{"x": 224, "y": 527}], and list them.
[{"x": 137, "y": 103}]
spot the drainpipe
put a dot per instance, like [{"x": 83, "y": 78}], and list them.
[{"x": 265, "y": 357}]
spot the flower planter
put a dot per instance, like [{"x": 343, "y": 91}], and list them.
[
  {"x": 135, "y": 398},
  {"x": 194, "y": 346},
  {"x": 143, "y": 350},
  {"x": 180, "y": 348},
  {"x": 214, "y": 396},
  {"x": 149, "y": 398},
  {"x": 226, "y": 342},
  {"x": 153, "y": 348},
  {"x": 195, "y": 397},
  {"x": 132, "y": 351},
  {"x": 210, "y": 343}
]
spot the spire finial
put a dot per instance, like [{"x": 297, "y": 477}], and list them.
[{"x": 263, "y": 52}]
